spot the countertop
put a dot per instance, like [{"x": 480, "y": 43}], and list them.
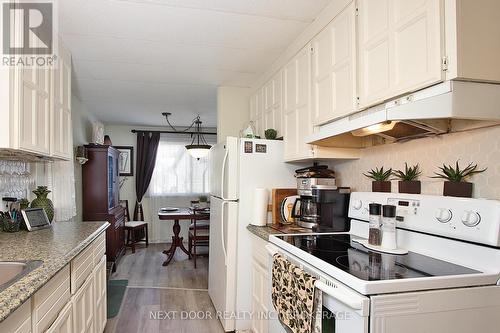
[
  {"x": 55, "y": 246},
  {"x": 265, "y": 231}
]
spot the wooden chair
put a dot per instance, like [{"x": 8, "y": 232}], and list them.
[
  {"x": 137, "y": 231},
  {"x": 199, "y": 232}
]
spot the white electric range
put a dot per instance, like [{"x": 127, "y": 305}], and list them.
[{"x": 448, "y": 282}]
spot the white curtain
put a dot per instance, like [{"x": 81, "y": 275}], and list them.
[
  {"x": 177, "y": 180},
  {"x": 62, "y": 183},
  {"x": 176, "y": 172}
]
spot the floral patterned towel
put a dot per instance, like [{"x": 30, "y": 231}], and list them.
[{"x": 294, "y": 297}]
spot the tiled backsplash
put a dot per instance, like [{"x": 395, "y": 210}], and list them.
[{"x": 478, "y": 146}]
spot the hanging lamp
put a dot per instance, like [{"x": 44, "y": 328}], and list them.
[{"x": 199, "y": 147}]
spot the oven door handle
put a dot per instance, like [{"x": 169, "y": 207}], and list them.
[{"x": 338, "y": 295}]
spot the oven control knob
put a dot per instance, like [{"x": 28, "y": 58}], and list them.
[
  {"x": 357, "y": 204},
  {"x": 471, "y": 218},
  {"x": 444, "y": 215}
]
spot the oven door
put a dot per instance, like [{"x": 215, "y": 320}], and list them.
[{"x": 344, "y": 310}]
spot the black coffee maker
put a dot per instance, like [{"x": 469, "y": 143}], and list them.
[{"x": 332, "y": 206}]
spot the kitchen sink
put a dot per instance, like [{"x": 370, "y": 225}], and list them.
[{"x": 12, "y": 271}]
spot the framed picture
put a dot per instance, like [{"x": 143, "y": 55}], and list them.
[{"x": 126, "y": 160}]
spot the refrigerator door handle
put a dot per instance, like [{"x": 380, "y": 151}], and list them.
[
  {"x": 222, "y": 232},
  {"x": 223, "y": 175}
]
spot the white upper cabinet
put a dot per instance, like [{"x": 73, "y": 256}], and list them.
[
  {"x": 334, "y": 68},
  {"x": 35, "y": 105},
  {"x": 297, "y": 106},
  {"x": 400, "y": 47},
  {"x": 32, "y": 94},
  {"x": 256, "y": 112},
  {"x": 273, "y": 105},
  {"x": 61, "y": 134}
]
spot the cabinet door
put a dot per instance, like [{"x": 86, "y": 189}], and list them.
[
  {"x": 83, "y": 307},
  {"x": 303, "y": 106},
  {"x": 334, "y": 72},
  {"x": 100, "y": 296},
  {"x": 399, "y": 47},
  {"x": 273, "y": 106},
  {"x": 297, "y": 105},
  {"x": 417, "y": 52},
  {"x": 64, "y": 322},
  {"x": 34, "y": 110},
  {"x": 289, "y": 110},
  {"x": 62, "y": 143},
  {"x": 260, "y": 296}
]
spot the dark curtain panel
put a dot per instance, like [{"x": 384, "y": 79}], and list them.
[{"x": 147, "y": 147}]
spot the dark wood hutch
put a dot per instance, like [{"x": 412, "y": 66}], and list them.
[{"x": 100, "y": 177}]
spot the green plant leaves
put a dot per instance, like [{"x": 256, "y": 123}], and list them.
[
  {"x": 379, "y": 174},
  {"x": 409, "y": 173},
  {"x": 456, "y": 174}
]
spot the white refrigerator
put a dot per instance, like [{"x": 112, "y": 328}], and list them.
[{"x": 237, "y": 167}]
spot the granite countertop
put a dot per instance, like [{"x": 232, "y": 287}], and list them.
[
  {"x": 55, "y": 246},
  {"x": 265, "y": 231}
]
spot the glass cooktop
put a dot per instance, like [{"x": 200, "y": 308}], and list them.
[{"x": 340, "y": 251}]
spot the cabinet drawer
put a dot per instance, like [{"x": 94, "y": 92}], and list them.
[
  {"x": 50, "y": 299},
  {"x": 81, "y": 267},
  {"x": 99, "y": 248},
  {"x": 259, "y": 252},
  {"x": 19, "y": 321}
]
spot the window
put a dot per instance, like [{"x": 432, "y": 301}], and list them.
[{"x": 176, "y": 172}]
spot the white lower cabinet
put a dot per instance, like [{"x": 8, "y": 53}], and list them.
[
  {"x": 83, "y": 307},
  {"x": 261, "y": 297},
  {"x": 100, "y": 309},
  {"x": 64, "y": 321},
  {"x": 59, "y": 307}
]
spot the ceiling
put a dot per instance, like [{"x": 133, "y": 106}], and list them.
[{"x": 133, "y": 59}]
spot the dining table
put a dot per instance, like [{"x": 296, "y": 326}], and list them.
[{"x": 179, "y": 214}]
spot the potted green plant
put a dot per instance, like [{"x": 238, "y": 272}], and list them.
[
  {"x": 408, "y": 179},
  {"x": 456, "y": 184},
  {"x": 380, "y": 179},
  {"x": 203, "y": 200},
  {"x": 270, "y": 134}
]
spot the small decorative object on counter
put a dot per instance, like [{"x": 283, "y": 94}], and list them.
[
  {"x": 41, "y": 201},
  {"x": 389, "y": 241},
  {"x": 455, "y": 184},
  {"x": 381, "y": 179},
  {"x": 374, "y": 237},
  {"x": 408, "y": 179},
  {"x": 10, "y": 221},
  {"x": 271, "y": 134}
]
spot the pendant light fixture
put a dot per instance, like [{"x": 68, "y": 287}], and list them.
[{"x": 199, "y": 147}]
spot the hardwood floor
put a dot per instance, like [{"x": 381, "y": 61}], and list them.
[{"x": 158, "y": 299}]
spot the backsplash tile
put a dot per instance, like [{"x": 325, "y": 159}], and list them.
[{"x": 479, "y": 146}]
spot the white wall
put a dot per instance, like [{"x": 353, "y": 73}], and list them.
[
  {"x": 82, "y": 121},
  {"x": 479, "y": 146},
  {"x": 233, "y": 111}
]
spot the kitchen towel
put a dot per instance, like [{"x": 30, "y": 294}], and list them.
[
  {"x": 260, "y": 204},
  {"x": 295, "y": 297}
]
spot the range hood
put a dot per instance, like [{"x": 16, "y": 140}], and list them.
[{"x": 447, "y": 107}]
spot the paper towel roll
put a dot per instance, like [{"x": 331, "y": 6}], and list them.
[{"x": 260, "y": 203}]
